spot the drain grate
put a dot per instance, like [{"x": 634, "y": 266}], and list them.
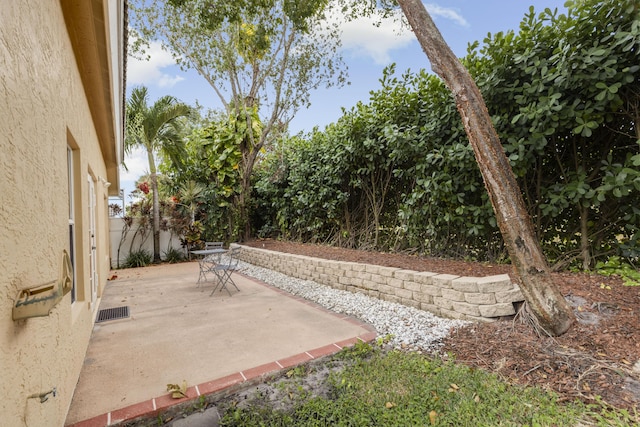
[{"x": 113, "y": 314}]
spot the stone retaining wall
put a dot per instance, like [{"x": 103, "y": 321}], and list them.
[{"x": 447, "y": 295}]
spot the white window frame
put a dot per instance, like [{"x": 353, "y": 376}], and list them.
[{"x": 72, "y": 221}]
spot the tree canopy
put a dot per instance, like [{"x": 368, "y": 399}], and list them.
[{"x": 261, "y": 59}]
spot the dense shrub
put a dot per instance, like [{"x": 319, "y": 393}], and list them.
[
  {"x": 140, "y": 258},
  {"x": 173, "y": 255},
  {"x": 399, "y": 173}
]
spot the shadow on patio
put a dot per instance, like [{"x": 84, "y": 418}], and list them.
[{"x": 176, "y": 332}]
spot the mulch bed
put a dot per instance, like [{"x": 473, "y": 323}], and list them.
[{"x": 595, "y": 358}]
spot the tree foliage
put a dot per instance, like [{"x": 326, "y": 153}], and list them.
[
  {"x": 157, "y": 129},
  {"x": 261, "y": 58},
  {"x": 544, "y": 302},
  {"x": 211, "y": 165},
  {"x": 563, "y": 91},
  {"x": 563, "y": 94}
]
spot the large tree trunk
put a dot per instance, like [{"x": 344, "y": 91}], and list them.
[{"x": 542, "y": 295}]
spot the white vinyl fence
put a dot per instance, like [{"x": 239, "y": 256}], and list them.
[{"x": 116, "y": 226}]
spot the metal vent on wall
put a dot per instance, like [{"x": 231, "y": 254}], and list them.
[{"x": 113, "y": 314}]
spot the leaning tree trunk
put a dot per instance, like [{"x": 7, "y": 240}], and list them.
[{"x": 542, "y": 295}]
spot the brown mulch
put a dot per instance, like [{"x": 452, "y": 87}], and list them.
[{"x": 595, "y": 358}]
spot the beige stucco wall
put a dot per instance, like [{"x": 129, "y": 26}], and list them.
[{"x": 44, "y": 109}]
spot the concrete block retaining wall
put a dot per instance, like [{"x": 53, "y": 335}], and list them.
[{"x": 447, "y": 295}]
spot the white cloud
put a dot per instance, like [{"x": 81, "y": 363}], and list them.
[
  {"x": 137, "y": 165},
  {"x": 151, "y": 72},
  {"x": 363, "y": 37},
  {"x": 444, "y": 12}
]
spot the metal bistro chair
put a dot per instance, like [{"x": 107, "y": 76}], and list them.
[
  {"x": 213, "y": 245},
  {"x": 224, "y": 269},
  {"x": 208, "y": 261},
  {"x": 208, "y": 245}
]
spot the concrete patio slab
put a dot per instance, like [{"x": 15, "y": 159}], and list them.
[{"x": 177, "y": 332}]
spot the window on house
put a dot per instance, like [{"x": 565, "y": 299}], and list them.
[{"x": 72, "y": 222}]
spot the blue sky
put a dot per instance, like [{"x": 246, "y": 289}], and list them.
[{"x": 367, "y": 50}]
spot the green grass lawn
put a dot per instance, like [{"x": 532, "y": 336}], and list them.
[{"x": 397, "y": 388}]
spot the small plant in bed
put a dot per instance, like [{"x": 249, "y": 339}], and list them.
[
  {"x": 173, "y": 256},
  {"x": 139, "y": 258}
]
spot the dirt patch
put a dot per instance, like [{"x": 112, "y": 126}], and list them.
[
  {"x": 284, "y": 391},
  {"x": 598, "y": 356}
]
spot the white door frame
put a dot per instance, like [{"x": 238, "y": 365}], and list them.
[{"x": 93, "y": 273}]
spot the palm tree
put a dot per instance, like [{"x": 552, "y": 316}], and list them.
[
  {"x": 158, "y": 130},
  {"x": 190, "y": 193}
]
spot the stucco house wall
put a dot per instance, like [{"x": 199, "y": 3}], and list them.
[{"x": 61, "y": 88}]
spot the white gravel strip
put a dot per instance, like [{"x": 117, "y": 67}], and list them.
[{"x": 408, "y": 327}]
